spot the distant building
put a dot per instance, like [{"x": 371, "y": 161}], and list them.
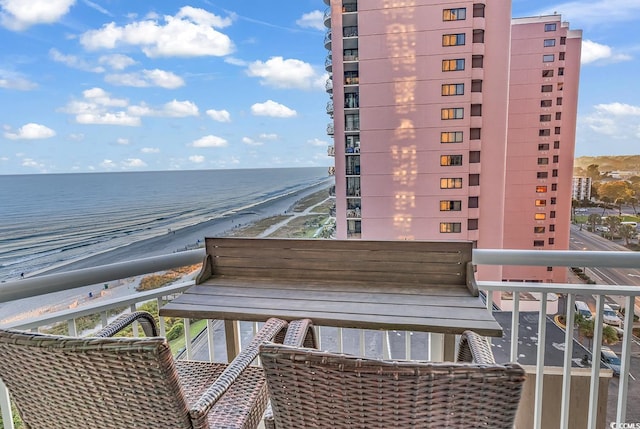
[{"x": 581, "y": 188}]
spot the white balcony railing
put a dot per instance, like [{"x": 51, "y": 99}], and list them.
[{"x": 37, "y": 286}]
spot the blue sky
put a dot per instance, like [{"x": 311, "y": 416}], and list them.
[{"x": 114, "y": 85}]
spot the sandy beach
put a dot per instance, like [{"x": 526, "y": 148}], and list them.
[{"x": 173, "y": 241}]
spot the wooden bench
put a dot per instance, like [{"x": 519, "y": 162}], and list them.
[{"x": 393, "y": 285}]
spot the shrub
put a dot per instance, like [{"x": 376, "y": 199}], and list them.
[{"x": 176, "y": 331}]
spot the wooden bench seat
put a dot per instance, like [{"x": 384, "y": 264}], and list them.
[{"x": 402, "y": 285}]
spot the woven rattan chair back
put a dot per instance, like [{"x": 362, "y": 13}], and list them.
[
  {"x": 313, "y": 389},
  {"x": 61, "y": 382}
]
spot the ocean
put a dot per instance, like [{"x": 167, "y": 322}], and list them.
[{"x": 50, "y": 219}]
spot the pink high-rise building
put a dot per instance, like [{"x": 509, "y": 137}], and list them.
[
  {"x": 421, "y": 111},
  {"x": 545, "y": 69}
]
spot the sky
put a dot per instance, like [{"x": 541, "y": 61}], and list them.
[{"x": 115, "y": 85}]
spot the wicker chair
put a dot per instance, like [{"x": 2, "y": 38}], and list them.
[
  {"x": 99, "y": 382},
  {"x": 313, "y": 389}
]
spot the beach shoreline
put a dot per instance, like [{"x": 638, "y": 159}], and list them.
[{"x": 189, "y": 237}]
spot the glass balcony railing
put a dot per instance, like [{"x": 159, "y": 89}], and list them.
[
  {"x": 327, "y": 17},
  {"x": 330, "y": 108},
  {"x": 327, "y": 40},
  {"x": 328, "y": 85},
  {"x": 330, "y": 129},
  {"x": 331, "y": 150},
  {"x": 328, "y": 63}
]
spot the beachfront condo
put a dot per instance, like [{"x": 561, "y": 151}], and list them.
[{"x": 442, "y": 128}]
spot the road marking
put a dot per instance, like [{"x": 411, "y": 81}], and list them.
[{"x": 633, "y": 275}]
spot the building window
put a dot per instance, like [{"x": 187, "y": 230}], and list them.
[
  {"x": 559, "y": 101},
  {"x": 472, "y": 224},
  {"x": 475, "y": 133},
  {"x": 450, "y": 227},
  {"x": 544, "y": 132},
  {"x": 543, "y": 161},
  {"x": 451, "y": 183},
  {"x": 545, "y": 103},
  {"x": 451, "y": 137},
  {"x": 548, "y": 58},
  {"x": 547, "y": 73},
  {"x": 550, "y": 27},
  {"x": 561, "y": 56},
  {"x": 543, "y": 146},
  {"x": 560, "y": 71},
  {"x": 552, "y": 240},
  {"x": 541, "y": 203},
  {"x": 553, "y": 200},
  {"x": 474, "y": 156},
  {"x": 542, "y": 174},
  {"x": 452, "y": 113},
  {"x": 453, "y": 39},
  {"x": 547, "y": 88},
  {"x": 538, "y": 229},
  {"x": 560, "y": 86},
  {"x": 476, "y": 85},
  {"x": 552, "y": 228},
  {"x": 554, "y": 186},
  {"x": 478, "y": 10},
  {"x": 563, "y": 40},
  {"x": 549, "y": 43},
  {"x": 549, "y": 268},
  {"x": 538, "y": 243},
  {"x": 556, "y": 130},
  {"x": 540, "y": 216},
  {"x": 453, "y": 65},
  {"x": 476, "y": 110},
  {"x": 352, "y": 122},
  {"x": 474, "y": 180},
  {"x": 450, "y": 206},
  {"x": 541, "y": 189},
  {"x": 556, "y": 144},
  {"x": 473, "y": 202},
  {"x": 478, "y": 36},
  {"x": 450, "y": 160},
  {"x": 477, "y": 61},
  {"x": 558, "y": 116},
  {"x": 545, "y": 118},
  {"x": 554, "y": 173},
  {"x": 454, "y": 14},
  {"x": 556, "y": 159},
  {"x": 552, "y": 214},
  {"x": 453, "y": 89}
]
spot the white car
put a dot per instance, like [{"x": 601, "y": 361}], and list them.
[{"x": 610, "y": 317}]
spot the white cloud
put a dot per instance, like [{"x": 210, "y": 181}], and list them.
[
  {"x": 73, "y": 61},
  {"x": 173, "y": 109},
  {"x": 122, "y": 141},
  {"x": 117, "y": 61},
  {"x": 210, "y": 141},
  {"x": 31, "y": 131},
  {"x": 4, "y": 158},
  {"x": 20, "y": 14},
  {"x": 96, "y": 108},
  {"x": 29, "y": 162},
  {"x": 76, "y": 137},
  {"x": 196, "y": 159},
  {"x": 273, "y": 109},
  {"x": 133, "y": 163},
  {"x": 313, "y": 19},
  {"x": 251, "y": 142},
  {"x": 596, "y": 12},
  {"x": 593, "y": 52},
  {"x": 146, "y": 78},
  {"x": 103, "y": 98},
  {"x": 290, "y": 73},
  {"x": 107, "y": 163},
  {"x": 150, "y": 150},
  {"x": 219, "y": 115},
  {"x": 190, "y": 33},
  {"x": 236, "y": 61},
  {"x": 12, "y": 80},
  {"x": 317, "y": 142},
  {"x": 614, "y": 124},
  {"x": 97, "y": 7},
  {"x": 116, "y": 118},
  {"x": 265, "y": 136}
]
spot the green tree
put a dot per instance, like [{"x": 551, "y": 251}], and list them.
[
  {"x": 593, "y": 171},
  {"x": 617, "y": 192},
  {"x": 594, "y": 219},
  {"x": 627, "y": 232},
  {"x": 613, "y": 223}
]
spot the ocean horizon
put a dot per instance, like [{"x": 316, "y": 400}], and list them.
[{"x": 49, "y": 219}]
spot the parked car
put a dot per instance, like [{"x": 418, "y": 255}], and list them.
[
  {"x": 611, "y": 359},
  {"x": 611, "y": 317},
  {"x": 583, "y": 309}
]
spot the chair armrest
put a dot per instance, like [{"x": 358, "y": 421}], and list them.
[
  {"x": 269, "y": 331},
  {"x": 145, "y": 319},
  {"x": 474, "y": 348},
  {"x": 300, "y": 333}
]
